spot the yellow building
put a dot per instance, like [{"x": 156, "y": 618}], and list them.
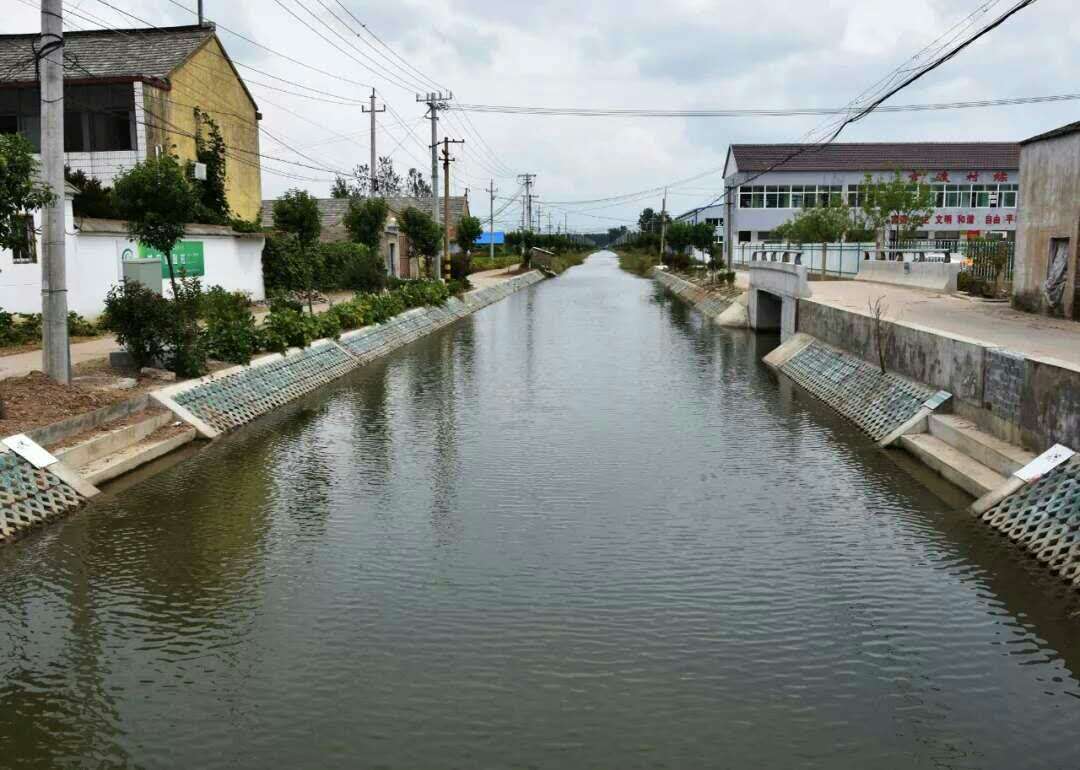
[{"x": 131, "y": 93}]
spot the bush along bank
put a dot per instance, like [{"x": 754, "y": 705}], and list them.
[
  {"x": 233, "y": 397},
  {"x": 183, "y": 334}
]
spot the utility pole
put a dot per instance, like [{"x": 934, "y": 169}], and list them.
[
  {"x": 435, "y": 101},
  {"x": 56, "y": 350},
  {"x": 663, "y": 227},
  {"x": 374, "y": 158},
  {"x": 491, "y": 226},
  {"x": 446, "y": 198}
]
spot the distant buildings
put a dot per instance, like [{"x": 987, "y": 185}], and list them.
[
  {"x": 130, "y": 92},
  {"x": 977, "y": 184},
  {"x": 1047, "y": 273}
]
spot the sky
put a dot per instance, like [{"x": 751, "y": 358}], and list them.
[{"x": 680, "y": 54}]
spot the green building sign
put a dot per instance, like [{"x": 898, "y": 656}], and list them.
[{"x": 188, "y": 259}]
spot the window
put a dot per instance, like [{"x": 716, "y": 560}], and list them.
[
  {"x": 744, "y": 236},
  {"x": 99, "y": 118},
  {"x": 1008, "y": 196},
  {"x": 25, "y": 253},
  {"x": 9, "y": 124},
  {"x": 784, "y": 196},
  {"x": 714, "y": 221}
]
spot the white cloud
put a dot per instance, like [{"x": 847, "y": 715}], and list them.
[{"x": 682, "y": 53}]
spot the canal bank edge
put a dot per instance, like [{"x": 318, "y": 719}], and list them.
[
  {"x": 731, "y": 313},
  {"x": 31, "y": 497},
  {"x": 1035, "y": 501}
]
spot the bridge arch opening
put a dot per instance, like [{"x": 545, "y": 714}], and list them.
[{"x": 770, "y": 310}]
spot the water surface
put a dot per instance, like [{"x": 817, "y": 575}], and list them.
[{"x": 581, "y": 529}]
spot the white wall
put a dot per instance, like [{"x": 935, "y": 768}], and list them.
[{"x": 94, "y": 264}]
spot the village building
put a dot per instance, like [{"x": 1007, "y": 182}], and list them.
[
  {"x": 976, "y": 184},
  {"x": 130, "y": 93},
  {"x": 1046, "y": 277},
  {"x": 394, "y": 246}
]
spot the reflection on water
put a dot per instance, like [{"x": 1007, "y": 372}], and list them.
[{"x": 583, "y": 528}]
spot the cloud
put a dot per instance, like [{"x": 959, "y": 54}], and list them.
[{"x": 622, "y": 53}]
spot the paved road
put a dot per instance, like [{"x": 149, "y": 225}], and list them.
[{"x": 991, "y": 323}]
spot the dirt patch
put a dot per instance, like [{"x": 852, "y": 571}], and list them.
[{"x": 34, "y": 400}]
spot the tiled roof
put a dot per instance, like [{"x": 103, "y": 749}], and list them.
[
  {"x": 151, "y": 53},
  {"x": 1071, "y": 128},
  {"x": 885, "y": 156},
  {"x": 333, "y": 211}
]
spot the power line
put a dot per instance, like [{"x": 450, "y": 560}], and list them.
[
  {"x": 422, "y": 76},
  {"x": 754, "y": 112}
]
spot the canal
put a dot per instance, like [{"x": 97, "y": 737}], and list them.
[{"x": 580, "y": 529}]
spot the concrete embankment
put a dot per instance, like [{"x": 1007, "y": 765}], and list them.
[
  {"x": 723, "y": 310},
  {"x": 977, "y": 414},
  {"x": 37, "y": 488}
]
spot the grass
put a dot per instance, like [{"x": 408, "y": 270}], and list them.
[
  {"x": 479, "y": 264},
  {"x": 636, "y": 262},
  {"x": 560, "y": 263}
]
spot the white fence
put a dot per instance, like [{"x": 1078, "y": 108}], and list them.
[
  {"x": 840, "y": 258},
  {"x": 95, "y": 256}
]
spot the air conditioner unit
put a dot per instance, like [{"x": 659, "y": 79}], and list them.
[{"x": 199, "y": 171}]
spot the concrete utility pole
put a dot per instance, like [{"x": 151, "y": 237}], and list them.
[
  {"x": 374, "y": 157},
  {"x": 663, "y": 227},
  {"x": 56, "y": 350},
  {"x": 435, "y": 100},
  {"x": 447, "y": 160},
  {"x": 526, "y": 202},
  {"x": 491, "y": 226}
]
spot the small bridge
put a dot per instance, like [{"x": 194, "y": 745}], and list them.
[{"x": 775, "y": 289}]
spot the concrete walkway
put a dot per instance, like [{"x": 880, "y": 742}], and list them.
[
  {"x": 989, "y": 322},
  {"x": 491, "y": 277}
]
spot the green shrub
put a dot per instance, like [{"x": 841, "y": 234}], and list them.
[
  {"x": 231, "y": 334},
  {"x": 285, "y": 266},
  {"x": 140, "y": 318},
  {"x": 458, "y": 286},
  {"x": 30, "y": 327},
  {"x": 284, "y": 329},
  {"x": 80, "y": 327},
  {"x": 185, "y": 351},
  {"x": 244, "y": 226},
  {"x": 963, "y": 281},
  {"x": 351, "y": 266},
  {"x": 329, "y": 327}
]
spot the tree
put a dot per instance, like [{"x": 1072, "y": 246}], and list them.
[
  {"x": 818, "y": 224},
  {"x": 297, "y": 212},
  {"x": 366, "y": 221},
  {"x": 156, "y": 200},
  {"x": 213, "y": 203},
  {"x": 387, "y": 181},
  {"x": 423, "y": 232},
  {"x": 416, "y": 186},
  {"x": 468, "y": 230},
  {"x": 92, "y": 199},
  {"x": 895, "y": 205},
  {"x": 20, "y": 192},
  {"x": 340, "y": 188},
  {"x": 647, "y": 220},
  {"x": 702, "y": 236}
]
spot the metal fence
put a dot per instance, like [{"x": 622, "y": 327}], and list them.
[{"x": 842, "y": 259}]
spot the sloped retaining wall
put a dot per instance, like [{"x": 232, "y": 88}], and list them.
[
  {"x": 879, "y": 404},
  {"x": 1044, "y": 518},
  {"x": 707, "y": 303},
  {"x": 32, "y": 497},
  {"x": 1033, "y": 402},
  {"x": 234, "y": 397}
]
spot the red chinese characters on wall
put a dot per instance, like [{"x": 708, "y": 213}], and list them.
[
  {"x": 941, "y": 176},
  {"x": 973, "y": 176},
  {"x": 1001, "y": 176}
]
